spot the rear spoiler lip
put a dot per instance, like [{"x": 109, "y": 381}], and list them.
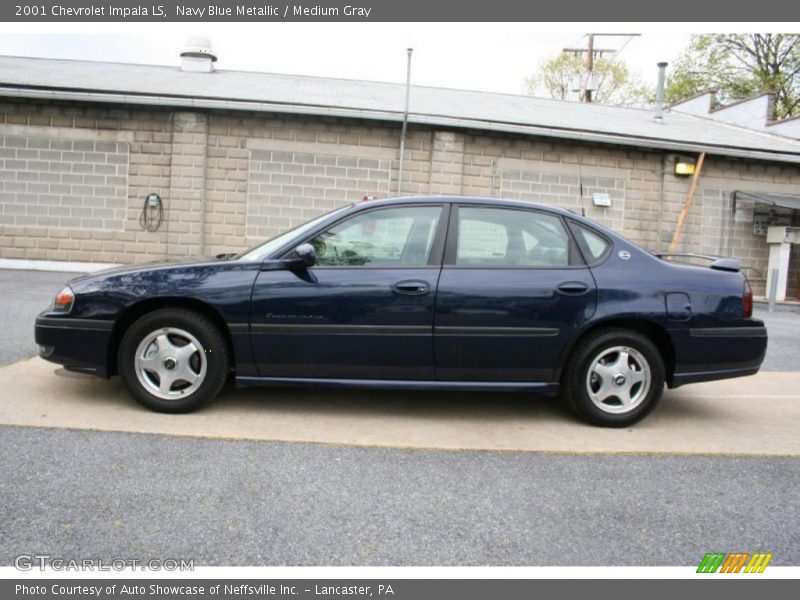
[{"x": 718, "y": 263}]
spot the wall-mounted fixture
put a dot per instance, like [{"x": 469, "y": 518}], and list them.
[
  {"x": 152, "y": 214},
  {"x": 685, "y": 167},
  {"x": 601, "y": 199}
]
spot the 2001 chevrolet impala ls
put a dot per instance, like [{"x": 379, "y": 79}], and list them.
[{"x": 417, "y": 293}]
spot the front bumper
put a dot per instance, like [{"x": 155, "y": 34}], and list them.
[{"x": 78, "y": 344}]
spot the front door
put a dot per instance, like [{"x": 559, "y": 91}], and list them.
[
  {"x": 365, "y": 311},
  {"x": 512, "y": 291}
]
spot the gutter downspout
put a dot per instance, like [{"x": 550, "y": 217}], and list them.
[{"x": 405, "y": 123}]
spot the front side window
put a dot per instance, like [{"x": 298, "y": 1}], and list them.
[
  {"x": 393, "y": 237},
  {"x": 507, "y": 238}
]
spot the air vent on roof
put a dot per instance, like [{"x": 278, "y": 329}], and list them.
[
  {"x": 662, "y": 78},
  {"x": 198, "y": 56}
]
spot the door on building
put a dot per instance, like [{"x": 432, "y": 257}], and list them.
[
  {"x": 365, "y": 310},
  {"x": 512, "y": 291}
]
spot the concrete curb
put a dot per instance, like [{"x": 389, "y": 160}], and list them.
[
  {"x": 19, "y": 264},
  {"x": 755, "y": 416}
]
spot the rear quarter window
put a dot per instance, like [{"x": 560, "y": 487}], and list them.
[{"x": 594, "y": 246}]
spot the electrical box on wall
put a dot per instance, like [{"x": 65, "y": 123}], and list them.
[
  {"x": 773, "y": 216},
  {"x": 601, "y": 199},
  {"x": 152, "y": 212},
  {"x": 783, "y": 235}
]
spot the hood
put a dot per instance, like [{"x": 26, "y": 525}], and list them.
[{"x": 190, "y": 261}]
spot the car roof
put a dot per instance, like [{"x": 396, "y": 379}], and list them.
[{"x": 500, "y": 202}]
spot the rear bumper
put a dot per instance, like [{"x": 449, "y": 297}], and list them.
[
  {"x": 78, "y": 344},
  {"x": 713, "y": 353},
  {"x": 679, "y": 379}
]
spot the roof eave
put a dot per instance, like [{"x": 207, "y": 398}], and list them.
[{"x": 379, "y": 115}]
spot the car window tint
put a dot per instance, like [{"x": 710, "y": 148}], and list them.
[
  {"x": 492, "y": 237},
  {"x": 596, "y": 245},
  {"x": 480, "y": 241},
  {"x": 401, "y": 237}
]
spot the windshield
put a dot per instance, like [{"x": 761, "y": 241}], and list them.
[{"x": 264, "y": 250}]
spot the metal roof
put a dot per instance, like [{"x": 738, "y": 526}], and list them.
[
  {"x": 781, "y": 200},
  {"x": 239, "y": 90}
]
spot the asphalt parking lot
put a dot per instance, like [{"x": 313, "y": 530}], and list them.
[
  {"x": 25, "y": 294},
  {"x": 437, "y": 479},
  {"x": 84, "y": 493}
]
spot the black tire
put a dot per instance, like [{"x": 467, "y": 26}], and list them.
[
  {"x": 590, "y": 353},
  {"x": 209, "y": 360}
]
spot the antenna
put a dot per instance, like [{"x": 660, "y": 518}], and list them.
[{"x": 580, "y": 185}]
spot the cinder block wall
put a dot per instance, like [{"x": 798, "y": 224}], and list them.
[{"x": 73, "y": 179}]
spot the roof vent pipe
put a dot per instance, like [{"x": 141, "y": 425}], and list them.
[
  {"x": 198, "y": 56},
  {"x": 662, "y": 78}
]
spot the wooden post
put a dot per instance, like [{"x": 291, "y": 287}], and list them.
[{"x": 687, "y": 204}]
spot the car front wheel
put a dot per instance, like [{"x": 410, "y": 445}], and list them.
[
  {"x": 173, "y": 360},
  {"x": 614, "y": 378}
]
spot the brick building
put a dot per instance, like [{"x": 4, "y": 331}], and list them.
[{"x": 237, "y": 157}]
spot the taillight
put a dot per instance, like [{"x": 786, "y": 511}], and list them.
[{"x": 747, "y": 300}]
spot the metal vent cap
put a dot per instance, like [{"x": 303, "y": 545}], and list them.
[{"x": 199, "y": 47}]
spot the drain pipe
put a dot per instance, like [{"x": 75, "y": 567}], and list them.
[
  {"x": 405, "y": 123},
  {"x": 662, "y": 79}
]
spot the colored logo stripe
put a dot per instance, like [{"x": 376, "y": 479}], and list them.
[
  {"x": 733, "y": 563},
  {"x": 711, "y": 562},
  {"x": 758, "y": 563}
]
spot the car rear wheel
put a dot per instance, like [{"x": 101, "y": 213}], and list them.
[
  {"x": 614, "y": 378},
  {"x": 173, "y": 360}
]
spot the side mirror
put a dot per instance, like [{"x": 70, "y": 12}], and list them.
[{"x": 305, "y": 256}]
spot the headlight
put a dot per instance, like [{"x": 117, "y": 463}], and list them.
[{"x": 64, "y": 300}]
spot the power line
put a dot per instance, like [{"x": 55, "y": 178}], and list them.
[
  {"x": 591, "y": 52},
  {"x": 621, "y": 48}
]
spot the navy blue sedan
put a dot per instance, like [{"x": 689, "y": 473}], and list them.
[{"x": 417, "y": 293}]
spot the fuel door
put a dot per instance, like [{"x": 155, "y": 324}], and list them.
[{"x": 679, "y": 306}]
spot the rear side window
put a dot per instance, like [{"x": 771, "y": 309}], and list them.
[
  {"x": 508, "y": 238},
  {"x": 592, "y": 243}
]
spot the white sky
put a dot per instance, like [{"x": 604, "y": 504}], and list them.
[{"x": 480, "y": 56}]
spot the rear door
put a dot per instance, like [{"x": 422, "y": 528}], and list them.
[
  {"x": 512, "y": 291},
  {"x": 365, "y": 311}
]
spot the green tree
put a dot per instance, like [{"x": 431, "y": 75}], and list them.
[
  {"x": 739, "y": 66},
  {"x": 614, "y": 81}
]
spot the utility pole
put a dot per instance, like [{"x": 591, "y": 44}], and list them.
[
  {"x": 587, "y": 93},
  {"x": 591, "y": 51}
]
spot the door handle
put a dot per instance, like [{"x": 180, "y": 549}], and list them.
[
  {"x": 412, "y": 287},
  {"x": 572, "y": 288}
]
